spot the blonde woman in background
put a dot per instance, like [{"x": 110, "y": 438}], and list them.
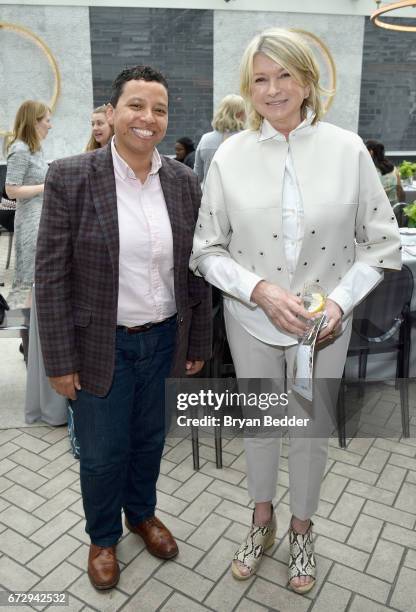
[
  {"x": 26, "y": 171},
  {"x": 229, "y": 119},
  {"x": 277, "y": 212},
  {"x": 102, "y": 131}
]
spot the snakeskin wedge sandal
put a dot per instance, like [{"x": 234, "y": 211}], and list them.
[
  {"x": 251, "y": 550},
  {"x": 302, "y": 559}
]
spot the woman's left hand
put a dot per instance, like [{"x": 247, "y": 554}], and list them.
[{"x": 334, "y": 314}]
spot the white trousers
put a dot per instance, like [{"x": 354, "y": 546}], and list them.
[{"x": 307, "y": 455}]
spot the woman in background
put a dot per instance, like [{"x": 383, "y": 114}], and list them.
[
  {"x": 185, "y": 151},
  {"x": 102, "y": 131},
  {"x": 389, "y": 175},
  {"x": 26, "y": 171},
  {"x": 229, "y": 118}
]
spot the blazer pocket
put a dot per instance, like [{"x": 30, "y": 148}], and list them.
[{"x": 82, "y": 316}]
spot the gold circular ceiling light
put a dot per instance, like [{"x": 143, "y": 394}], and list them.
[{"x": 387, "y": 9}]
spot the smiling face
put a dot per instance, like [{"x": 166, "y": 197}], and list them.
[
  {"x": 43, "y": 125},
  {"x": 140, "y": 118},
  {"x": 276, "y": 95},
  {"x": 101, "y": 129}
]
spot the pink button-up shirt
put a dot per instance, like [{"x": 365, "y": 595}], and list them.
[{"x": 146, "y": 289}]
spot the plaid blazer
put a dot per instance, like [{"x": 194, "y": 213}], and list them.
[{"x": 77, "y": 264}]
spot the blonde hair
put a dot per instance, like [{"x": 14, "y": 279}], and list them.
[
  {"x": 92, "y": 144},
  {"x": 27, "y": 116},
  {"x": 226, "y": 118},
  {"x": 290, "y": 50}
]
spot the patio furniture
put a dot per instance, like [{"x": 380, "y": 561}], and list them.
[{"x": 382, "y": 324}]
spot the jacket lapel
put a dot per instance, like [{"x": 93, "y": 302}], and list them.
[{"x": 103, "y": 190}]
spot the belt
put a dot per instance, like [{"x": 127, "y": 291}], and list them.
[{"x": 145, "y": 327}]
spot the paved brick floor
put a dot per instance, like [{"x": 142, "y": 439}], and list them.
[
  {"x": 365, "y": 526},
  {"x": 365, "y": 536}
]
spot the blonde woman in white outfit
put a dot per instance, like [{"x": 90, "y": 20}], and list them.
[{"x": 289, "y": 201}]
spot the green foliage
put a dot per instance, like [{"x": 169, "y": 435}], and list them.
[
  {"x": 410, "y": 212},
  {"x": 407, "y": 169}
]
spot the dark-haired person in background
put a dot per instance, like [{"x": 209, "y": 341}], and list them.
[
  {"x": 185, "y": 151},
  {"x": 119, "y": 310},
  {"x": 389, "y": 175}
]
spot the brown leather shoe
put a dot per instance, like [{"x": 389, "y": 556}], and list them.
[
  {"x": 158, "y": 539},
  {"x": 103, "y": 569}
]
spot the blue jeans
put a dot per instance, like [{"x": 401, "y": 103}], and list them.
[{"x": 121, "y": 436}]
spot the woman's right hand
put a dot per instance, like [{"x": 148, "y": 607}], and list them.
[{"x": 282, "y": 307}]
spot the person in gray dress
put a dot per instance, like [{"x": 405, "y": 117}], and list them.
[
  {"x": 229, "y": 118},
  {"x": 26, "y": 171}
]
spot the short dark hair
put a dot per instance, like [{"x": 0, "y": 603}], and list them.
[
  {"x": 187, "y": 143},
  {"x": 137, "y": 73},
  {"x": 380, "y": 160}
]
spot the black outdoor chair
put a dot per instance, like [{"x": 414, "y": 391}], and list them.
[
  {"x": 382, "y": 324},
  {"x": 401, "y": 218}
]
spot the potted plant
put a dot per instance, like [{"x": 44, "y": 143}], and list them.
[
  {"x": 410, "y": 212},
  {"x": 407, "y": 169}
]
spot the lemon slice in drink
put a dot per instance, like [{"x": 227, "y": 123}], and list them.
[{"x": 316, "y": 303}]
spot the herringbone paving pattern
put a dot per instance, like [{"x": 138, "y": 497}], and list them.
[{"x": 365, "y": 536}]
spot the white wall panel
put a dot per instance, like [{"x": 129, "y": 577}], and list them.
[{"x": 25, "y": 72}]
